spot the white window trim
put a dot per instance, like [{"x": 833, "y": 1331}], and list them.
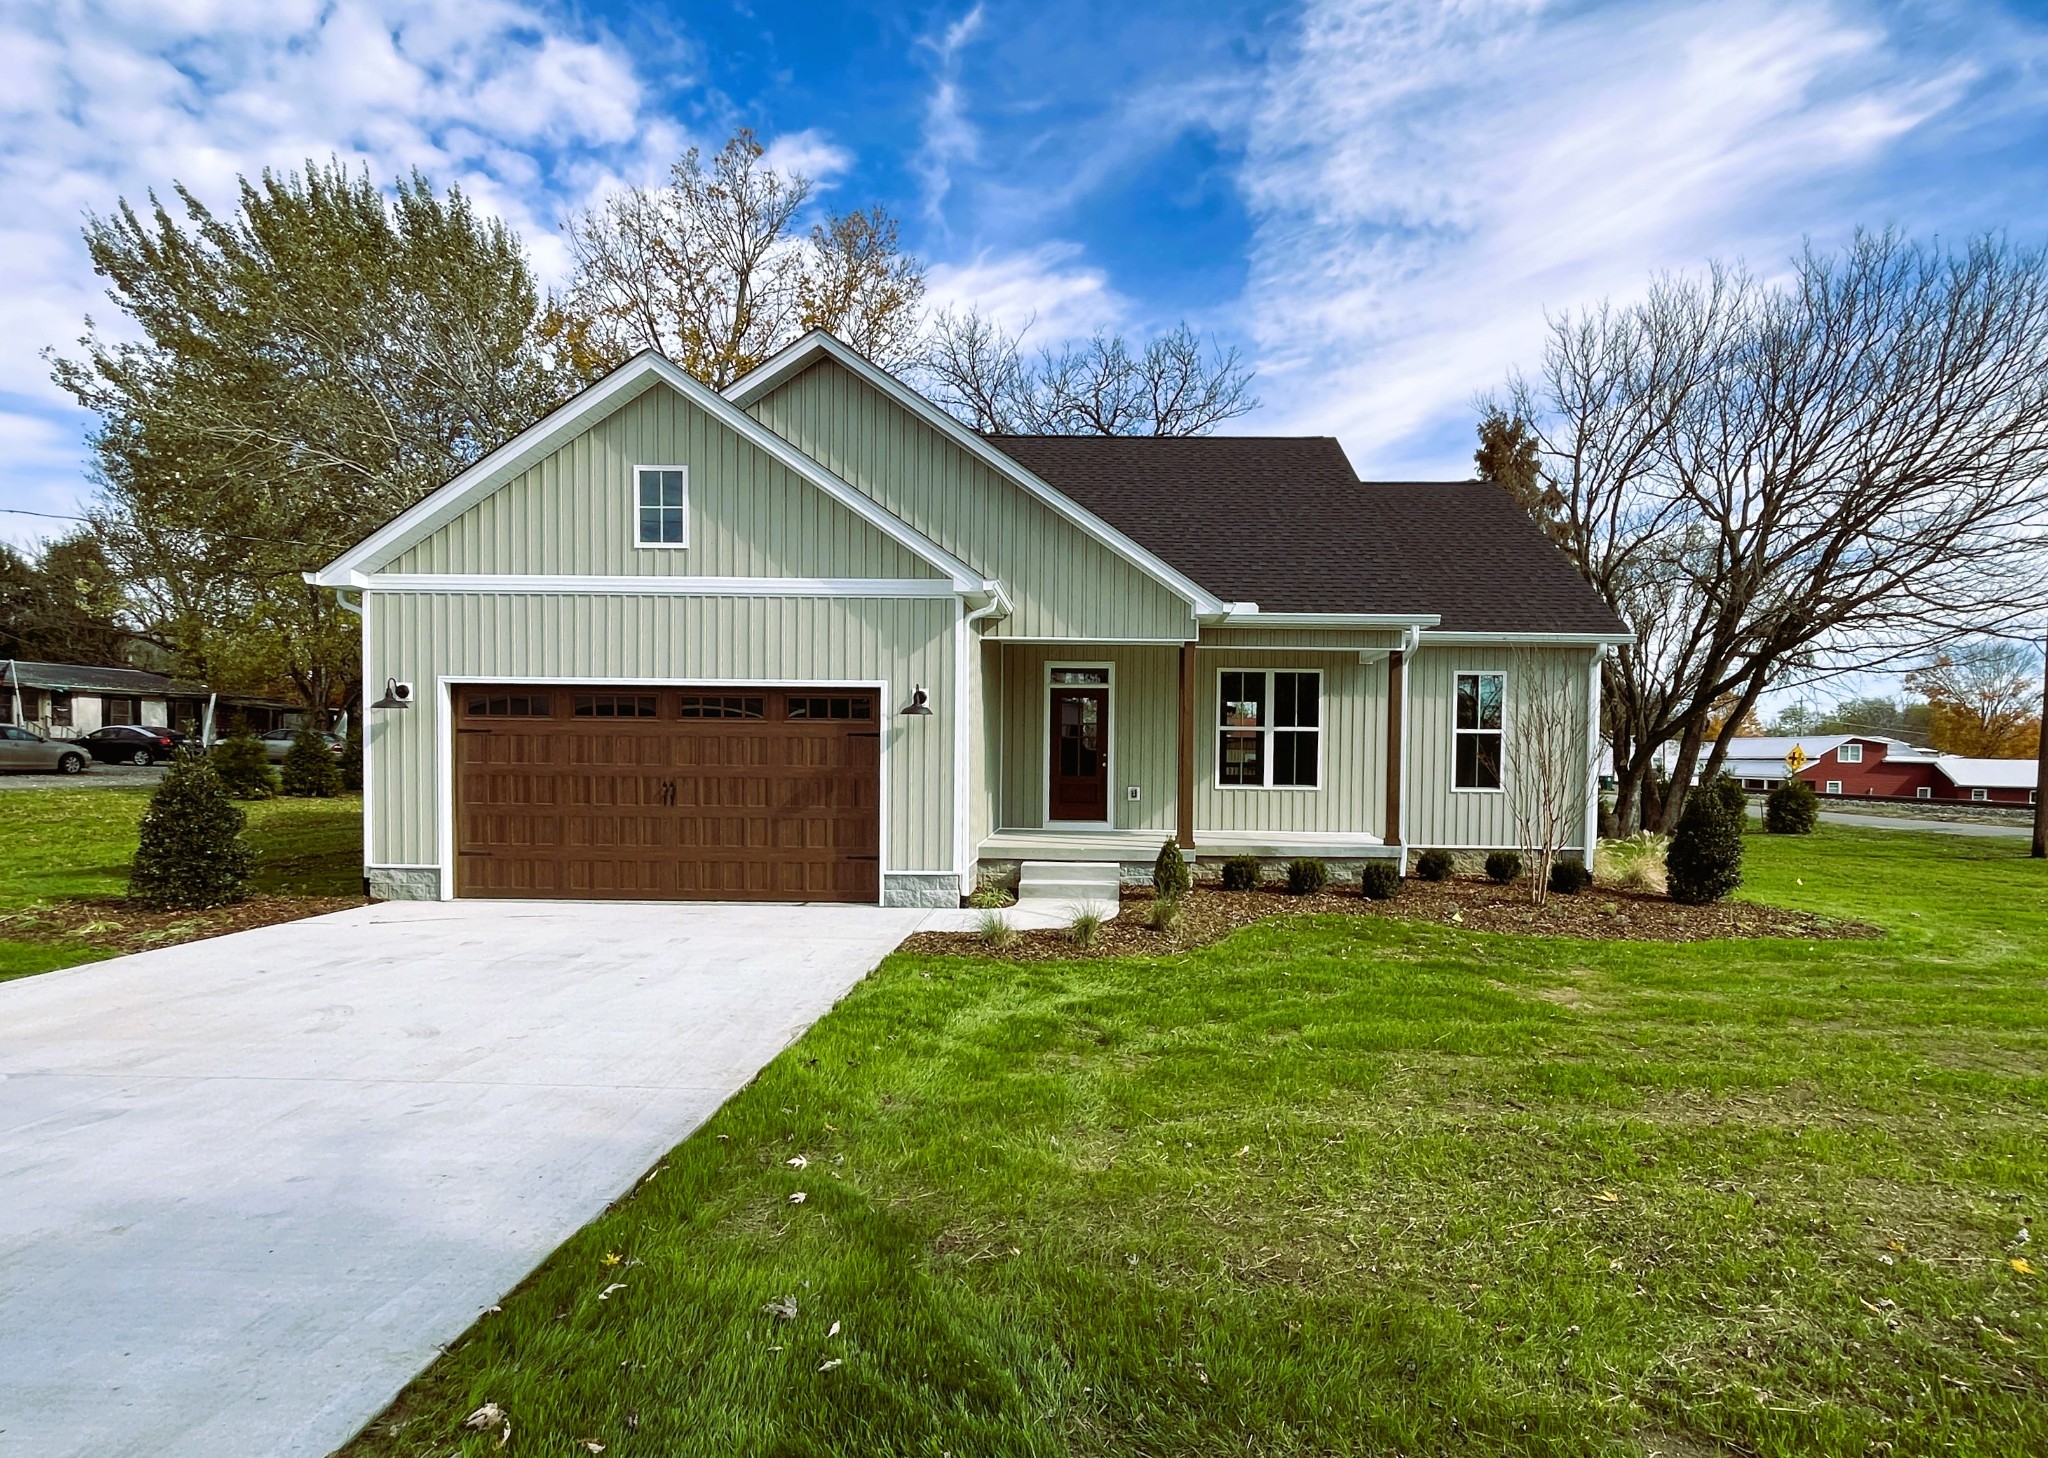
[
  {"x": 1217, "y": 729},
  {"x": 1923, "y": 792},
  {"x": 1848, "y": 754},
  {"x": 1834, "y": 787},
  {"x": 1045, "y": 747},
  {"x": 633, "y": 526},
  {"x": 1452, "y": 768},
  {"x": 1979, "y": 795}
]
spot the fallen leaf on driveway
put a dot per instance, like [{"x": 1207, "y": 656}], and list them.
[
  {"x": 487, "y": 1416},
  {"x": 606, "y": 1293}
]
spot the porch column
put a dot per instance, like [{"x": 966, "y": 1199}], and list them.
[
  {"x": 1397, "y": 683},
  {"x": 1184, "y": 807}
]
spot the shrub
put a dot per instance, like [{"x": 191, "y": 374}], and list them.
[
  {"x": 244, "y": 771},
  {"x": 1704, "y": 863},
  {"x": 1241, "y": 873},
  {"x": 352, "y": 759},
  {"x": 1792, "y": 809},
  {"x": 1163, "y": 915},
  {"x": 1170, "y": 873},
  {"x": 1503, "y": 866},
  {"x": 1306, "y": 877},
  {"x": 1435, "y": 865},
  {"x": 1085, "y": 927},
  {"x": 1569, "y": 876},
  {"x": 192, "y": 852},
  {"x": 1379, "y": 880},
  {"x": 995, "y": 930},
  {"x": 309, "y": 768}
]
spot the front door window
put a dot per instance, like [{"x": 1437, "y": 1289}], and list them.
[{"x": 1079, "y": 780}]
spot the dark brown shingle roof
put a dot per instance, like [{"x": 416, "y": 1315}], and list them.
[{"x": 1284, "y": 522}]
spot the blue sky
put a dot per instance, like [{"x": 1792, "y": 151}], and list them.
[{"x": 1375, "y": 202}]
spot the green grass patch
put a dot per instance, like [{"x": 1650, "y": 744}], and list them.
[
  {"x": 71, "y": 844},
  {"x": 1348, "y": 1185}
]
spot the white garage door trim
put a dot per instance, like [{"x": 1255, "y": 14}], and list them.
[{"x": 444, "y": 743}]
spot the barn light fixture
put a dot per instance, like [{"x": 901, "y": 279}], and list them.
[
  {"x": 396, "y": 695},
  {"x": 918, "y": 705}
]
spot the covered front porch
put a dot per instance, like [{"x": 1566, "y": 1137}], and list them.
[{"x": 1275, "y": 742}]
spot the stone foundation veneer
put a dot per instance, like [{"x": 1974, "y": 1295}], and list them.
[
  {"x": 917, "y": 888},
  {"x": 404, "y": 883}
]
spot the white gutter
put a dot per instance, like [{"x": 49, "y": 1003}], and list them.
[
  {"x": 1247, "y": 615},
  {"x": 1532, "y": 640}
]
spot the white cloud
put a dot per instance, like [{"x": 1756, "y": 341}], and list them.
[
  {"x": 106, "y": 99},
  {"x": 1426, "y": 181},
  {"x": 809, "y": 153},
  {"x": 949, "y": 137},
  {"x": 1046, "y": 291}
]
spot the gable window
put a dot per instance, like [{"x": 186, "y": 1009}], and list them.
[
  {"x": 663, "y": 496},
  {"x": 1851, "y": 753},
  {"x": 1269, "y": 731},
  {"x": 1478, "y": 731}
]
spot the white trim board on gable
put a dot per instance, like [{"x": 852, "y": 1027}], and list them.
[
  {"x": 745, "y": 391},
  {"x": 627, "y": 382}
]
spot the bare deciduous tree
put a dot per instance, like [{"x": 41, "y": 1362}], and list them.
[
  {"x": 978, "y": 371},
  {"x": 711, "y": 270},
  {"x": 1774, "y": 485},
  {"x": 1551, "y": 761}
]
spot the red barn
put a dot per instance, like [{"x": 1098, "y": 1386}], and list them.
[{"x": 1870, "y": 766}]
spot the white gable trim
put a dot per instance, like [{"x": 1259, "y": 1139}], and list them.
[
  {"x": 745, "y": 391},
  {"x": 630, "y": 379}
]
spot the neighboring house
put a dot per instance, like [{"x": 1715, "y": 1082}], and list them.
[
  {"x": 1871, "y": 766},
  {"x": 815, "y": 640},
  {"x": 70, "y": 700}
]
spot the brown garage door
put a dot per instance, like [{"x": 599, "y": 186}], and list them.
[{"x": 711, "y": 794}]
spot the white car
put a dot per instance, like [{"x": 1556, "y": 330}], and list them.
[{"x": 24, "y": 750}]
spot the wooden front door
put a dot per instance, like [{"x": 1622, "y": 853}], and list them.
[
  {"x": 713, "y": 794},
  {"x": 1079, "y": 773}
]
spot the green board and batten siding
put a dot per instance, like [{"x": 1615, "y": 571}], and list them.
[
  {"x": 1352, "y": 798},
  {"x": 571, "y": 514},
  {"x": 523, "y": 637},
  {"x": 1436, "y": 814},
  {"x": 1144, "y": 718},
  {"x": 1062, "y": 582}
]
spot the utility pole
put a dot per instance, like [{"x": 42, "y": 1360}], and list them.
[{"x": 2040, "y": 850}]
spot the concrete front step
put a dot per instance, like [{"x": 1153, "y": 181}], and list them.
[{"x": 1063, "y": 887}]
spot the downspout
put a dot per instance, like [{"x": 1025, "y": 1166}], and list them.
[{"x": 966, "y": 857}]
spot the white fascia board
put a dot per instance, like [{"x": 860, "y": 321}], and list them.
[
  {"x": 502, "y": 464},
  {"x": 1522, "y": 640},
  {"x": 638, "y": 586},
  {"x": 765, "y": 377},
  {"x": 1257, "y": 619}
]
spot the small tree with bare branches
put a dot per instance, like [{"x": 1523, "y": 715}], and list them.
[{"x": 1551, "y": 759}]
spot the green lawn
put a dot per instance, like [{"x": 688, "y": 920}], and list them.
[
  {"x": 69, "y": 843},
  {"x": 1349, "y": 1186}
]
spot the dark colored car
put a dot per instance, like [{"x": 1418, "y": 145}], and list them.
[
  {"x": 278, "y": 742},
  {"x": 132, "y": 743}
]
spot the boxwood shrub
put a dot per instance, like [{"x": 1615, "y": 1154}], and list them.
[
  {"x": 1305, "y": 877},
  {"x": 1704, "y": 863},
  {"x": 1435, "y": 865},
  {"x": 1241, "y": 873},
  {"x": 1792, "y": 809},
  {"x": 1503, "y": 866},
  {"x": 1379, "y": 880},
  {"x": 1569, "y": 876}
]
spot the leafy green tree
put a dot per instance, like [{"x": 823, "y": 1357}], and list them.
[
  {"x": 309, "y": 769},
  {"x": 352, "y": 758},
  {"x": 285, "y": 377},
  {"x": 192, "y": 853},
  {"x": 243, "y": 767},
  {"x": 63, "y": 606},
  {"x": 1704, "y": 863}
]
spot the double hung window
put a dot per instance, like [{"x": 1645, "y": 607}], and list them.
[
  {"x": 1269, "y": 729},
  {"x": 663, "y": 497},
  {"x": 1479, "y": 731}
]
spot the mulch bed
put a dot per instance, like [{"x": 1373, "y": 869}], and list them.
[
  {"x": 1602, "y": 913},
  {"x": 121, "y": 925}
]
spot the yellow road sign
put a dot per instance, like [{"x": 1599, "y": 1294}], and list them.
[{"x": 1797, "y": 760}]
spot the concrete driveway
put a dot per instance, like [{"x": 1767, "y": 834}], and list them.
[{"x": 248, "y": 1185}]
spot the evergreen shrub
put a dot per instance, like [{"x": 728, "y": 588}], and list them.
[
  {"x": 1241, "y": 873},
  {"x": 1306, "y": 877},
  {"x": 1170, "y": 873},
  {"x": 1704, "y": 863},
  {"x": 1792, "y": 809},
  {"x": 1379, "y": 880},
  {"x": 309, "y": 769},
  {"x": 243, "y": 767},
  {"x": 1435, "y": 865},
  {"x": 1569, "y": 876},
  {"x": 192, "y": 852},
  {"x": 1503, "y": 866}
]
